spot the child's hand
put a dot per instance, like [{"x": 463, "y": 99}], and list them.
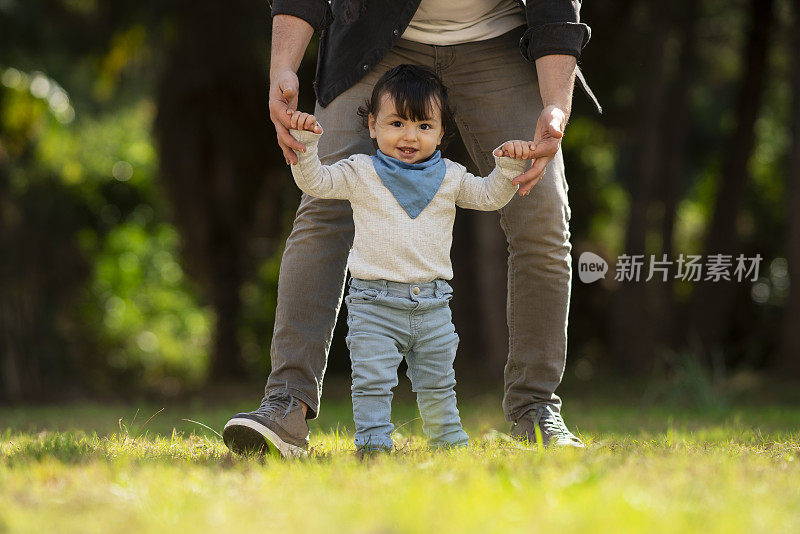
[
  {"x": 516, "y": 150},
  {"x": 303, "y": 121}
]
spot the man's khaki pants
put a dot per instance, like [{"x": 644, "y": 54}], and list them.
[{"x": 495, "y": 95}]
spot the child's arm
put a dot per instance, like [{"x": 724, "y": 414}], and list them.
[
  {"x": 496, "y": 190},
  {"x": 314, "y": 178}
]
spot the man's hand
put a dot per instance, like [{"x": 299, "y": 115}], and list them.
[
  {"x": 290, "y": 37},
  {"x": 283, "y": 92},
  {"x": 546, "y": 142}
]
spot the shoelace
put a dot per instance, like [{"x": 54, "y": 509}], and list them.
[
  {"x": 276, "y": 401},
  {"x": 552, "y": 423}
]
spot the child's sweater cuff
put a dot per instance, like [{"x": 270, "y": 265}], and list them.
[
  {"x": 510, "y": 167},
  {"x": 306, "y": 137}
]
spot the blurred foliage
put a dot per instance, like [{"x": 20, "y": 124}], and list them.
[
  {"x": 149, "y": 325},
  {"x": 602, "y": 197},
  {"x": 259, "y": 295},
  {"x": 135, "y": 308}
]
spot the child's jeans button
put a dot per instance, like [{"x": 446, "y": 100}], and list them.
[{"x": 415, "y": 289}]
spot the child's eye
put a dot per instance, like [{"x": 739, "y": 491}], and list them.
[
  {"x": 397, "y": 124},
  {"x": 426, "y": 126}
]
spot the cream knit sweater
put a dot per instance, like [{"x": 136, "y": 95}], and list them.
[{"x": 388, "y": 244}]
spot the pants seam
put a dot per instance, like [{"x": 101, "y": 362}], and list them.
[
  {"x": 481, "y": 150},
  {"x": 442, "y": 65}
]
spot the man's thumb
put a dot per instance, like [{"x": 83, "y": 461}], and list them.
[{"x": 555, "y": 129}]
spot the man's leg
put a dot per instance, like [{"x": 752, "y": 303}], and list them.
[
  {"x": 312, "y": 275},
  {"x": 314, "y": 268},
  {"x": 496, "y": 97},
  {"x": 310, "y": 283}
]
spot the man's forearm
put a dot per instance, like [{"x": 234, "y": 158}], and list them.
[
  {"x": 290, "y": 38},
  {"x": 556, "y": 75}
]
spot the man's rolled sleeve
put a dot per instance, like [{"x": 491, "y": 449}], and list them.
[
  {"x": 316, "y": 12},
  {"x": 566, "y": 38},
  {"x": 554, "y": 27}
]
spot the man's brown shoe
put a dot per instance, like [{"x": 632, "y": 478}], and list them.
[
  {"x": 277, "y": 427},
  {"x": 553, "y": 431}
]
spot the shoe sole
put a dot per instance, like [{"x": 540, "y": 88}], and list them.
[
  {"x": 245, "y": 436},
  {"x": 524, "y": 438}
]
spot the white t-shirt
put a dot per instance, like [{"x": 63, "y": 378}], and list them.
[{"x": 450, "y": 22}]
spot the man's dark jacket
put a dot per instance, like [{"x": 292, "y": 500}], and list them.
[{"x": 357, "y": 34}]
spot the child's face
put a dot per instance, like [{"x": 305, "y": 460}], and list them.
[{"x": 404, "y": 139}]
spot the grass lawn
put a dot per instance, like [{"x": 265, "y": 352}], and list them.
[{"x": 90, "y": 467}]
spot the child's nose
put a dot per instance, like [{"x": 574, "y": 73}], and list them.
[{"x": 410, "y": 133}]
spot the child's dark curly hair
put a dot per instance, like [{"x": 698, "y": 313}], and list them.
[{"x": 415, "y": 90}]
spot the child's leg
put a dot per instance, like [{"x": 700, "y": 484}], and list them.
[
  {"x": 375, "y": 356},
  {"x": 430, "y": 368}
]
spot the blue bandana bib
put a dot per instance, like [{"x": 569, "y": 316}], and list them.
[{"x": 413, "y": 185}]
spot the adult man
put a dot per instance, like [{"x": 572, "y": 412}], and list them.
[{"x": 498, "y": 95}]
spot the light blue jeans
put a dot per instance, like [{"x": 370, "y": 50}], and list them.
[{"x": 391, "y": 320}]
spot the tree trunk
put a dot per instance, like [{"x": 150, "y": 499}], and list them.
[
  {"x": 10, "y": 379},
  {"x": 227, "y": 278},
  {"x": 790, "y": 353},
  {"x": 219, "y": 159},
  {"x": 712, "y": 301},
  {"x": 675, "y": 142},
  {"x": 41, "y": 272},
  {"x": 12, "y": 385},
  {"x": 633, "y": 332}
]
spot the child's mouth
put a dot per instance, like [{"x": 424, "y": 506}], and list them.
[{"x": 407, "y": 150}]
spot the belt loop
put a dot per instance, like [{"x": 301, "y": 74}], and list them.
[{"x": 438, "y": 289}]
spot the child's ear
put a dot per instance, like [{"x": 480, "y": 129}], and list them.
[
  {"x": 441, "y": 136},
  {"x": 372, "y": 133}
]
